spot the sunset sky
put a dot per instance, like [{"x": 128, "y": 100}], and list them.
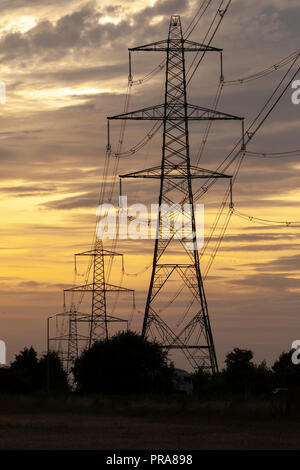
[{"x": 65, "y": 65}]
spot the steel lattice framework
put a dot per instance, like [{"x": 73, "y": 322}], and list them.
[
  {"x": 98, "y": 319},
  {"x": 176, "y": 173},
  {"x": 76, "y": 338},
  {"x": 72, "y": 353}
]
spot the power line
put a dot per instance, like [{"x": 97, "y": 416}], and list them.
[
  {"x": 250, "y": 132},
  {"x": 209, "y": 125},
  {"x": 265, "y": 221},
  {"x": 291, "y": 153},
  {"x": 190, "y": 28},
  {"x": 264, "y": 72},
  {"x": 221, "y": 13},
  {"x": 196, "y": 20}
]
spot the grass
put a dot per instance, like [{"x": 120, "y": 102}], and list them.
[
  {"x": 140, "y": 422},
  {"x": 143, "y": 406}
]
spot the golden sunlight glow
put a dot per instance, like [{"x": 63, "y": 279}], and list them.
[
  {"x": 109, "y": 19},
  {"x": 21, "y": 25},
  {"x": 156, "y": 20},
  {"x": 66, "y": 92},
  {"x": 61, "y": 83},
  {"x": 56, "y": 97}
]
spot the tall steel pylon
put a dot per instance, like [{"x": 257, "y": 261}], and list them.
[
  {"x": 98, "y": 319},
  {"x": 176, "y": 173}
]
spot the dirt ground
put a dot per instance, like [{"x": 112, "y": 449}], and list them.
[{"x": 58, "y": 431}]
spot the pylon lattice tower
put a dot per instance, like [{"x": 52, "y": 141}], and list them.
[
  {"x": 75, "y": 337},
  {"x": 98, "y": 319},
  {"x": 176, "y": 173},
  {"x": 72, "y": 352}
]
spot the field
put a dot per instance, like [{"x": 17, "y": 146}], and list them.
[{"x": 93, "y": 423}]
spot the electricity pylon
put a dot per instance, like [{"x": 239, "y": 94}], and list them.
[
  {"x": 176, "y": 173},
  {"x": 98, "y": 319},
  {"x": 72, "y": 352},
  {"x": 72, "y": 340}
]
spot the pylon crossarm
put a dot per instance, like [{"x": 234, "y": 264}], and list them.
[
  {"x": 91, "y": 287},
  {"x": 95, "y": 253},
  {"x": 176, "y": 112},
  {"x": 176, "y": 172},
  {"x": 115, "y": 319},
  {"x": 84, "y": 288},
  {"x": 83, "y": 317},
  {"x": 113, "y": 288},
  {"x": 99, "y": 319},
  {"x": 198, "y": 112},
  {"x": 68, "y": 314},
  {"x": 174, "y": 45}
]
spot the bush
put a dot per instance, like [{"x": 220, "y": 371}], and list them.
[
  {"x": 32, "y": 372},
  {"x": 125, "y": 364}
]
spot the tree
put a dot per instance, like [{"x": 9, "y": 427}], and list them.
[
  {"x": 33, "y": 371},
  {"x": 58, "y": 381},
  {"x": 12, "y": 381},
  {"x": 286, "y": 373},
  {"x": 26, "y": 364},
  {"x": 262, "y": 379},
  {"x": 26, "y": 359},
  {"x": 239, "y": 370},
  {"x": 201, "y": 380},
  {"x": 124, "y": 364}
]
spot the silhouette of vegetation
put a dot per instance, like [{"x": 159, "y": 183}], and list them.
[
  {"x": 57, "y": 376},
  {"x": 126, "y": 363},
  {"x": 239, "y": 370},
  {"x": 11, "y": 381},
  {"x": 286, "y": 373},
  {"x": 28, "y": 373},
  {"x": 26, "y": 366},
  {"x": 241, "y": 377}
]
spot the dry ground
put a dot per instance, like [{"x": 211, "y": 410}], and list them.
[{"x": 55, "y": 431}]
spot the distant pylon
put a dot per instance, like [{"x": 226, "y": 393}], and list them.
[
  {"x": 72, "y": 353},
  {"x": 84, "y": 329},
  {"x": 98, "y": 320},
  {"x": 176, "y": 173}
]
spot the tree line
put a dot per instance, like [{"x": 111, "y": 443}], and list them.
[{"x": 130, "y": 364}]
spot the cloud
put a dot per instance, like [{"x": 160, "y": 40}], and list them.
[
  {"x": 267, "y": 281},
  {"x": 261, "y": 247},
  {"x": 26, "y": 191},
  {"x": 86, "y": 200},
  {"x": 50, "y": 40},
  {"x": 78, "y": 32},
  {"x": 251, "y": 237},
  {"x": 282, "y": 264},
  {"x": 42, "y": 285},
  {"x": 16, "y": 4}
]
